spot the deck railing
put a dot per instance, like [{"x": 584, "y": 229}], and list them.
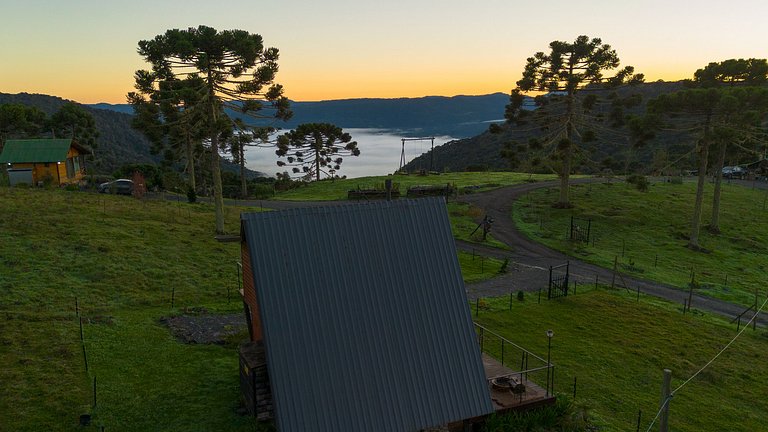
[{"x": 519, "y": 360}]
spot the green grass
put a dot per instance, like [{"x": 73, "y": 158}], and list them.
[
  {"x": 464, "y": 227},
  {"x": 122, "y": 259},
  {"x": 476, "y": 268},
  {"x": 617, "y": 348},
  {"x": 336, "y": 189},
  {"x": 647, "y": 232}
]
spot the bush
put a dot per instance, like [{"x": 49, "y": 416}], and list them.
[
  {"x": 640, "y": 182},
  {"x": 191, "y": 195},
  {"x": 521, "y": 295},
  {"x": 564, "y": 415}
]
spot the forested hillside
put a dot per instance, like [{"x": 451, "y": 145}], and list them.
[
  {"x": 611, "y": 148},
  {"x": 118, "y": 142}
]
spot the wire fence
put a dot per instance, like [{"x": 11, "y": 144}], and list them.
[{"x": 631, "y": 257}]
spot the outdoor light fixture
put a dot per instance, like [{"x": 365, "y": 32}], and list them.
[{"x": 550, "y": 333}]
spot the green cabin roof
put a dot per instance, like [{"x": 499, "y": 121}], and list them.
[{"x": 37, "y": 150}]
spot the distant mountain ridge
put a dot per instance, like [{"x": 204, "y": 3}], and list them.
[{"x": 457, "y": 116}]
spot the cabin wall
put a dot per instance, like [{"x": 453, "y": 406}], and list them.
[{"x": 249, "y": 296}]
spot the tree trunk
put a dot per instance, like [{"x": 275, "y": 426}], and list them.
[
  {"x": 189, "y": 148},
  {"x": 693, "y": 240},
  {"x": 714, "y": 225},
  {"x": 318, "y": 146},
  {"x": 243, "y": 183},
  {"x": 564, "y": 201},
  {"x": 218, "y": 195}
]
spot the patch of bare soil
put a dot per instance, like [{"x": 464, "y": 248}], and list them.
[{"x": 204, "y": 328}]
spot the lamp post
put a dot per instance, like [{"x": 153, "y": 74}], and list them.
[{"x": 550, "y": 333}]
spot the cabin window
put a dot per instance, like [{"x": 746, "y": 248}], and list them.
[
  {"x": 76, "y": 164},
  {"x": 70, "y": 168}
]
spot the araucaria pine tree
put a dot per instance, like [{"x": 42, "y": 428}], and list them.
[
  {"x": 315, "y": 149},
  {"x": 565, "y": 72},
  {"x": 235, "y": 70}
]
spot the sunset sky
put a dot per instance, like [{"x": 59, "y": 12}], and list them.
[{"x": 85, "y": 50}]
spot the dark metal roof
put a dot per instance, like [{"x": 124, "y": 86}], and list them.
[{"x": 366, "y": 322}]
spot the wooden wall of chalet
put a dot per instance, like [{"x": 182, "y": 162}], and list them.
[{"x": 249, "y": 296}]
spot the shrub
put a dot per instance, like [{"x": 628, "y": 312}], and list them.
[
  {"x": 640, "y": 182},
  {"x": 191, "y": 195},
  {"x": 521, "y": 295}
]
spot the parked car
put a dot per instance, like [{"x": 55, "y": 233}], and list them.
[
  {"x": 734, "y": 172},
  {"x": 119, "y": 186}
]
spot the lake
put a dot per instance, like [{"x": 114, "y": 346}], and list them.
[{"x": 379, "y": 153}]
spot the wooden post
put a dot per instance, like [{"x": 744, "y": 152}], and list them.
[
  {"x": 639, "y": 416},
  {"x": 665, "y": 400},
  {"x": 94, "y": 392},
  {"x": 690, "y": 296},
  {"x": 615, "y": 266}
]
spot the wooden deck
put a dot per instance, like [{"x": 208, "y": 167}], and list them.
[{"x": 503, "y": 399}]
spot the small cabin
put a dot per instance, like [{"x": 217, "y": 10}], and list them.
[
  {"x": 359, "y": 320},
  {"x": 40, "y": 161}
]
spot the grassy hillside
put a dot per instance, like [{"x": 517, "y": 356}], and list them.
[
  {"x": 616, "y": 349},
  {"x": 647, "y": 233},
  {"x": 118, "y": 262}
]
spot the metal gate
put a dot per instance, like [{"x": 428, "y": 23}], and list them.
[{"x": 558, "y": 281}]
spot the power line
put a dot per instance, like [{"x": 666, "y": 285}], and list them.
[{"x": 672, "y": 394}]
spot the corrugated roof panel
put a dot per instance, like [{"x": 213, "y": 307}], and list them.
[
  {"x": 35, "y": 150},
  {"x": 365, "y": 318}
]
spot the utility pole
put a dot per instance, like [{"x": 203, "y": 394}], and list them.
[{"x": 665, "y": 395}]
